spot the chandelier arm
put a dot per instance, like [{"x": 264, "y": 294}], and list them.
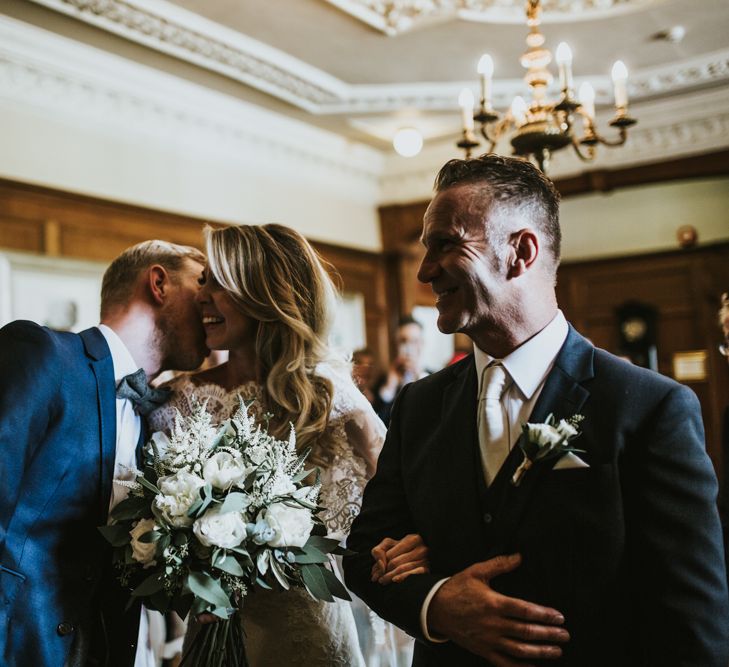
[
  {"x": 622, "y": 138},
  {"x": 585, "y": 157}
]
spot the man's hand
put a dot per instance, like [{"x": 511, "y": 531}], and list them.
[
  {"x": 468, "y": 611},
  {"x": 396, "y": 560}
]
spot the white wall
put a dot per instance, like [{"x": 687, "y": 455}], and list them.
[
  {"x": 79, "y": 119},
  {"x": 644, "y": 219}
]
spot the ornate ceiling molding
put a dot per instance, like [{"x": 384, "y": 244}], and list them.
[
  {"x": 60, "y": 78},
  {"x": 394, "y": 17},
  {"x": 167, "y": 28}
]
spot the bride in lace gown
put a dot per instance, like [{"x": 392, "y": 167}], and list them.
[{"x": 266, "y": 298}]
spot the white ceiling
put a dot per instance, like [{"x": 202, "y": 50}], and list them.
[{"x": 333, "y": 64}]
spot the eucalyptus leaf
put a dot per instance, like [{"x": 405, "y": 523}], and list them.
[
  {"x": 324, "y": 544},
  {"x": 336, "y": 587},
  {"x": 229, "y": 564},
  {"x": 117, "y": 534},
  {"x": 148, "y": 485},
  {"x": 132, "y": 507},
  {"x": 235, "y": 502},
  {"x": 149, "y": 586},
  {"x": 204, "y": 586},
  {"x": 315, "y": 582},
  {"x": 311, "y": 555},
  {"x": 192, "y": 512},
  {"x": 279, "y": 574},
  {"x": 149, "y": 537}
]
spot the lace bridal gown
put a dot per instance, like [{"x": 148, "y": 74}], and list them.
[{"x": 289, "y": 627}]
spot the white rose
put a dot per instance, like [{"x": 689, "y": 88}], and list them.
[
  {"x": 566, "y": 430},
  {"x": 223, "y": 470},
  {"x": 291, "y": 525},
  {"x": 214, "y": 529},
  {"x": 143, "y": 552},
  {"x": 544, "y": 435},
  {"x": 179, "y": 492}
]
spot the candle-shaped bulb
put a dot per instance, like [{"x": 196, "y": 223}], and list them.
[
  {"x": 486, "y": 71},
  {"x": 486, "y": 65},
  {"x": 620, "y": 80},
  {"x": 519, "y": 110},
  {"x": 587, "y": 100},
  {"x": 564, "y": 60},
  {"x": 563, "y": 54},
  {"x": 465, "y": 101}
]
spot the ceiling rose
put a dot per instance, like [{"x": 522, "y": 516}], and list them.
[{"x": 397, "y": 16}]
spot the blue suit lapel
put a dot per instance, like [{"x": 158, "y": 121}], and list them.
[
  {"x": 563, "y": 395},
  {"x": 102, "y": 367}
]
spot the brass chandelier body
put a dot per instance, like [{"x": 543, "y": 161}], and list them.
[{"x": 544, "y": 126}]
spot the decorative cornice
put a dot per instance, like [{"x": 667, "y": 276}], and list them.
[
  {"x": 189, "y": 37},
  {"x": 394, "y": 17},
  {"x": 168, "y": 28},
  {"x": 86, "y": 86}
]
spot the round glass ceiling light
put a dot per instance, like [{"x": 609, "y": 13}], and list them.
[{"x": 407, "y": 141}]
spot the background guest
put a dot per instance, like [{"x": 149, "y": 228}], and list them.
[{"x": 406, "y": 367}]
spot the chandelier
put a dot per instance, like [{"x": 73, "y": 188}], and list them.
[{"x": 543, "y": 126}]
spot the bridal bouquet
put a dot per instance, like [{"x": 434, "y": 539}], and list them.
[{"x": 217, "y": 511}]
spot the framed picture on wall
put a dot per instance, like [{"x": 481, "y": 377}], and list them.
[
  {"x": 59, "y": 293},
  {"x": 348, "y": 331}
]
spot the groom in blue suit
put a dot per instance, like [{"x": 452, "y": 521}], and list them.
[
  {"x": 65, "y": 434},
  {"x": 606, "y": 557}
]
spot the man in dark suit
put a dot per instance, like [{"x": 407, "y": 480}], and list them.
[
  {"x": 610, "y": 556},
  {"x": 65, "y": 434}
]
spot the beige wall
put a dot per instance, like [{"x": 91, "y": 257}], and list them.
[{"x": 643, "y": 218}]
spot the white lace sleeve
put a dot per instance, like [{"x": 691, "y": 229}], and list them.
[{"x": 365, "y": 432}]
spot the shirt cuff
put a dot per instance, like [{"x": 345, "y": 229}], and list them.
[{"x": 424, "y": 614}]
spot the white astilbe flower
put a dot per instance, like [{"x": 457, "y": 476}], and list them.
[{"x": 191, "y": 440}]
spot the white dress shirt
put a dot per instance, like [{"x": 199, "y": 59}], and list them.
[
  {"x": 528, "y": 367},
  {"x": 128, "y": 430},
  {"x": 128, "y": 422}
]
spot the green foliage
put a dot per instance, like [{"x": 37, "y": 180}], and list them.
[{"x": 117, "y": 534}]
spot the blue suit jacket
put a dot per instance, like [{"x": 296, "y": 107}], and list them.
[
  {"x": 57, "y": 449},
  {"x": 629, "y": 549}
]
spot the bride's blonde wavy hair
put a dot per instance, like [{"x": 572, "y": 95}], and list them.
[{"x": 276, "y": 278}]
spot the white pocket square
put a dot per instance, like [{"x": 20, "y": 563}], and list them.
[{"x": 569, "y": 461}]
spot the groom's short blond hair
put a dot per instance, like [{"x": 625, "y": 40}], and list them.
[{"x": 122, "y": 274}]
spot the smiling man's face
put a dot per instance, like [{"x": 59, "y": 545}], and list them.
[{"x": 460, "y": 264}]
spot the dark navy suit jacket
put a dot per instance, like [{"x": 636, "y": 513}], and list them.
[
  {"x": 57, "y": 449},
  {"x": 629, "y": 549}
]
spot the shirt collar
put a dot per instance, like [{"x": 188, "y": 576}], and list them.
[
  {"x": 530, "y": 363},
  {"x": 124, "y": 363}
]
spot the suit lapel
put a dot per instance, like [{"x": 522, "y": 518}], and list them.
[
  {"x": 102, "y": 367},
  {"x": 562, "y": 396}
]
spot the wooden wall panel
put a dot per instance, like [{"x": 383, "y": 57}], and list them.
[
  {"x": 41, "y": 220},
  {"x": 18, "y": 234},
  {"x": 684, "y": 287}
]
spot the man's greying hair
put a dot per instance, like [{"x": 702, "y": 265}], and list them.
[
  {"x": 512, "y": 182},
  {"x": 122, "y": 274}
]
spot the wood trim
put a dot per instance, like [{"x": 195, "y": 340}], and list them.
[
  {"x": 57, "y": 223},
  {"x": 401, "y": 224}
]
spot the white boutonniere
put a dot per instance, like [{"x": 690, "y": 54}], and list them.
[{"x": 542, "y": 442}]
